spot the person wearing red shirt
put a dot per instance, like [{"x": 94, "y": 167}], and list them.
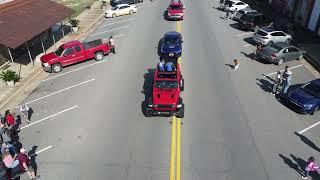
[
  {"x": 9, "y": 118},
  {"x": 24, "y": 164}
]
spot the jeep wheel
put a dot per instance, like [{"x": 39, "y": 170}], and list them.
[
  {"x": 98, "y": 56},
  {"x": 182, "y": 85},
  {"x": 180, "y": 113},
  {"x": 56, "y": 68},
  {"x": 149, "y": 112}
]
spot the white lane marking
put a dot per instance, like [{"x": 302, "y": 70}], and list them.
[
  {"x": 122, "y": 27},
  {"x": 244, "y": 34},
  {"x": 247, "y": 45},
  {"x": 306, "y": 129},
  {"x": 120, "y": 35},
  {"x": 283, "y": 70},
  {"x": 117, "y": 22},
  {"x": 43, "y": 119},
  {"x": 40, "y": 151},
  {"x": 53, "y": 77},
  {"x": 57, "y": 92}
]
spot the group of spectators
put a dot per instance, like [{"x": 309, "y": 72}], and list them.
[{"x": 15, "y": 160}]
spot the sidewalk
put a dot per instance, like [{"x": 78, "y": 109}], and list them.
[
  {"x": 302, "y": 38},
  {"x": 32, "y": 74}
]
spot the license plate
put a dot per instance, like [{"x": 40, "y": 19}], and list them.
[{"x": 171, "y": 54}]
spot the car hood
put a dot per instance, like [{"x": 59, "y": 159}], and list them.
[
  {"x": 109, "y": 11},
  {"x": 47, "y": 57},
  {"x": 300, "y": 96},
  {"x": 167, "y": 48},
  {"x": 175, "y": 11},
  {"x": 165, "y": 96}
]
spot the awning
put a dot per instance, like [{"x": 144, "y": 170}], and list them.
[{"x": 21, "y": 20}]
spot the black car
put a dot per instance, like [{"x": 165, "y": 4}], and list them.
[
  {"x": 116, "y": 2},
  {"x": 250, "y": 21}
]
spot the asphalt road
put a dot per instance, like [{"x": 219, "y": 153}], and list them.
[{"x": 88, "y": 120}]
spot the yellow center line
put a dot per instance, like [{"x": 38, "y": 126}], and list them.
[
  {"x": 173, "y": 149},
  {"x": 178, "y": 168}
]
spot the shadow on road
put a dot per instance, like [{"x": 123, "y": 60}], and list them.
[
  {"x": 307, "y": 141},
  {"x": 293, "y": 165},
  {"x": 147, "y": 89},
  {"x": 265, "y": 85}
]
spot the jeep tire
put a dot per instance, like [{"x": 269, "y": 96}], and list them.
[{"x": 180, "y": 113}]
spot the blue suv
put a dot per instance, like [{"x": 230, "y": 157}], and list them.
[
  {"x": 305, "y": 99},
  {"x": 171, "y": 45}
]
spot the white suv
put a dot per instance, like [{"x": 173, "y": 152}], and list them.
[
  {"x": 268, "y": 35},
  {"x": 121, "y": 9},
  {"x": 236, "y": 5}
]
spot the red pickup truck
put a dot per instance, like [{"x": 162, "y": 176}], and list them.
[
  {"x": 175, "y": 10},
  {"x": 73, "y": 52}
]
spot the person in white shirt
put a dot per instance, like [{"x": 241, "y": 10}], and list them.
[
  {"x": 24, "y": 109},
  {"x": 112, "y": 43}
]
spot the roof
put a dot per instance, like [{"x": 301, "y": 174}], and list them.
[
  {"x": 316, "y": 81},
  {"x": 172, "y": 34},
  {"x": 268, "y": 29},
  {"x": 21, "y": 20},
  {"x": 282, "y": 44}
]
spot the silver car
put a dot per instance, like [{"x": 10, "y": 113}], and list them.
[
  {"x": 268, "y": 35},
  {"x": 279, "y": 52}
]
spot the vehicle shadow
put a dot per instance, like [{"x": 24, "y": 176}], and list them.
[
  {"x": 249, "y": 40},
  {"x": 252, "y": 56},
  {"x": 147, "y": 90},
  {"x": 307, "y": 141}
]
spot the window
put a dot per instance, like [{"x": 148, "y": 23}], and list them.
[
  {"x": 123, "y": 7},
  {"x": 278, "y": 34},
  {"x": 68, "y": 52},
  {"x": 240, "y": 3},
  {"x": 292, "y": 50},
  {"x": 77, "y": 48},
  {"x": 261, "y": 33}
]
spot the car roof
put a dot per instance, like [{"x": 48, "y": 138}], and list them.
[
  {"x": 172, "y": 34},
  {"x": 316, "y": 81},
  {"x": 282, "y": 44},
  {"x": 268, "y": 29}
]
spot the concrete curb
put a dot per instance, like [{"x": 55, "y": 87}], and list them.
[{"x": 19, "y": 93}]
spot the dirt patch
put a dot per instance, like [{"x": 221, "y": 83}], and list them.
[{"x": 77, "y": 5}]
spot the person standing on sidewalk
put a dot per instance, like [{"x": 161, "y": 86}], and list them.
[
  {"x": 277, "y": 82},
  {"x": 311, "y": 167},
  {"x": 24, "y": 109},
  {"x": 112, "y": 43},
  {"x": 286, "y": 76}
]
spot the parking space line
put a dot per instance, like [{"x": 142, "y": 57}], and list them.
[
  {"x": 53, "y": 115},
  {"x": 247, "y": 45},
  {"x": 40, "y": 151},
  {"x": 70, "y": 87},
  {"x": 283, "y": 70},
  {"x": 118, "y": 22},
  {"x": 244, "y": 34},
  {"x": 306, "y": 129},
  {"x": 56, "y": 76},
  {"x": 122, "y": 27}
]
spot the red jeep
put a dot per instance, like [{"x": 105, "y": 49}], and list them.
[
  {"x": 166, "y": 93},
  {"x": 73, "y": 52},
  {"x": 175, "y": 10}
]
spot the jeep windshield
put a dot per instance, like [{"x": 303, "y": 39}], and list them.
[
  {"x": 175, "y": 7},
  {"x": 167, "y": 84},
  {"x": 59, "y": 51}
]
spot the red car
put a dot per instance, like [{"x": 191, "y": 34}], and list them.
[
  {"x": 73, "y": 52},
  {"x": 175, "y": 10},
  {"x": 166, "y": 94}
]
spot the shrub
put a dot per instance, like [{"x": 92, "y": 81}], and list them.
[{"x": 9, "y": 75}]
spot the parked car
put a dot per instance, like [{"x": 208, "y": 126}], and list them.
[
  {"x": 166, "y": 94},
  {"x": 121, "y": 9},
  {"x": 237, "y": 5},
  {"x": 250, "y": 21},
  {"x": 175, "y": 11},
  {"x": 268, "y": 35},
  {"x": 280, "y": 52},
  {"x": 171, "y": 45},
  {"x": 304, "y": 99},
  {"x": 117, "y": 2},
  {"x": 238, "y": 14},
  {"x": 74, "y": 52}
]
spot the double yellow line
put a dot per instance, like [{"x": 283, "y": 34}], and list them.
[{"x": 175, "y": 156}]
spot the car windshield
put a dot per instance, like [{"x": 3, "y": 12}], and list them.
[
  {"x": 261, "y": 33},
  {"x": 312, "y": 89},
  {"x": 167, "y": 84},
  {"x": 246, "y": 18},
  {"x": 175, "y": 7},
  {"x": 274, "y": 47},
  {"x": 171, "y": 40},
  {"x": 241, "y": 12},
  {"x": 114, "y": 8},
  {"x": 59, "y": 51}
]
